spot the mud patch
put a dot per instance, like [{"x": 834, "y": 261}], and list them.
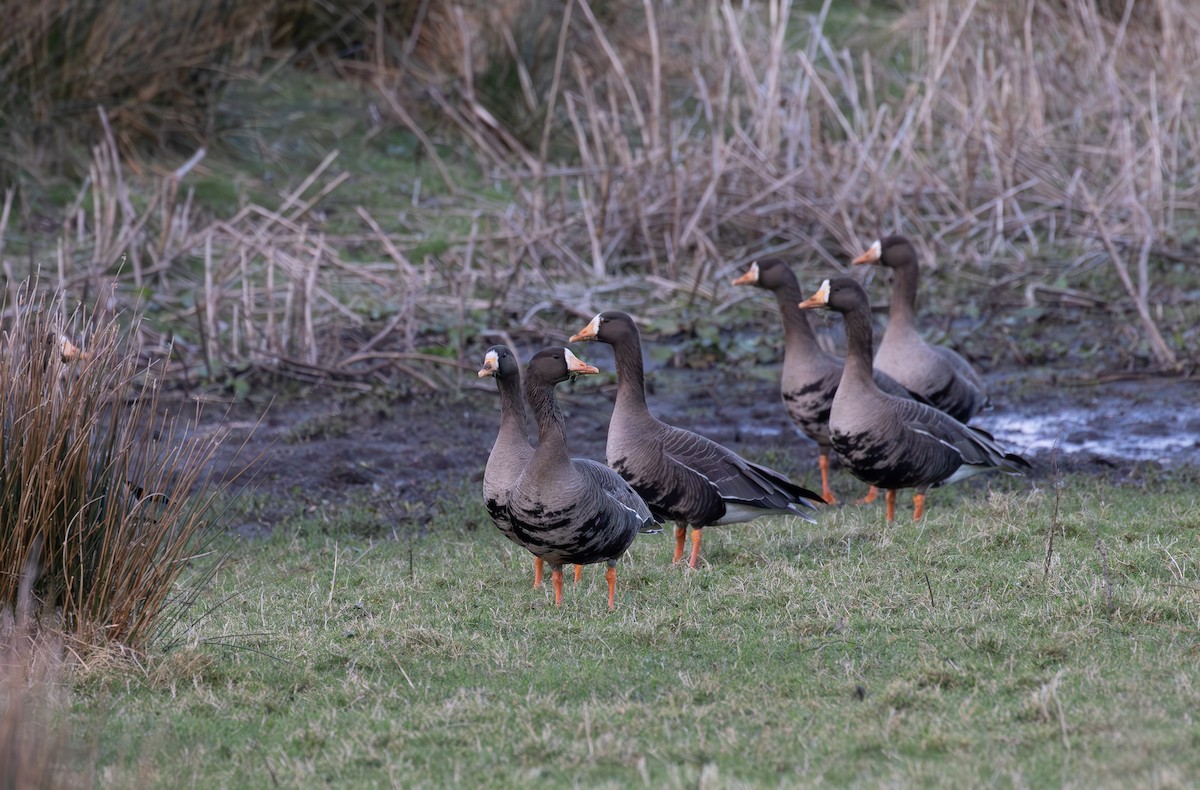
[
  {"x": 1154, "y": 421},
  {"x": 412, "y": 456}
]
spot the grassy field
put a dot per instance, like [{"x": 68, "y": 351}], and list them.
[
  {"x": 844, "y": 653},
  {"x": 349, "y": 223}
]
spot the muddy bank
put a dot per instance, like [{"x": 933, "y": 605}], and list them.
[{"x": 411, "y": 454}]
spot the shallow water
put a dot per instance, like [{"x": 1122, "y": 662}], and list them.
[
  {"x": 1038, "y": 410},
  {"x": 1165, "y": 438},
  {"x": 1075, "y": 431},
  {"x": 1152, "y": 420},
  {"x": 1114, "y": 423}
]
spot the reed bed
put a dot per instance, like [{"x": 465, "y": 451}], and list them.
[
  {"x": 647, "y": 151},
  {"x": 994, "y": 133}
]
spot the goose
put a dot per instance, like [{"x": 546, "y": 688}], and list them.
[
  {"x": 888, "y": 441},
  {"x": 683, "y": 476},
  {"x": 810, "y": 374},
  {"x": 511, "y": 452},
  {"x": 938, "y": 373},
  {"x": 566, "y": 509}
]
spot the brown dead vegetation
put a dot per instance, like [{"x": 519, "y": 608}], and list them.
[{"x": 649, "y": 149}]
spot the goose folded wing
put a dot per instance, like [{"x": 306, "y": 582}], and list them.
[
  {"x": 734, "y": 478},
  {"x": 975, "y": 446},
  {"x": 961, "y": 366},
  {"x": 674, "y": 490},
  {"x": 893, "y": 387},
  {"x": 610, "y": 485}
]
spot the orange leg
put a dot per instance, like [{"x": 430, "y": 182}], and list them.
[
  {"x": 611, "y": 575},
  {"x": 871, "y": 496},
  {"x": 918, "y": 505},
  {"x": 556, "y": 578},
  {"x": 680, "y": 536},
  {"x": 826, "y": 492},
  {"x": 578, "y": 573},
  {"x": 890, "y": 499},
  {"x": 537, "y": 572},
  {"x": 695, "y": 558}
]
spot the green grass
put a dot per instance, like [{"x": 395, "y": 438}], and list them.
[{"x": 801, "y": 655}]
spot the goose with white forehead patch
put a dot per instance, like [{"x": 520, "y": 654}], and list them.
[
  {"x": 683, "y": 476},
  {"x": 888, "y": 441},
  {"x": 567, "y": 509},
  {"x": 512, "y": 451},
  {"x": 937, "y": 373},
  {"x": 810, "y": 374}
]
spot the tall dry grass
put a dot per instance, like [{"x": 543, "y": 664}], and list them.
[
  {"x": 107, "y": 497},
  {"x": 158, "y": 69},
  {"x": 990, "y": 131},
  {"x": 1067, "y": 120},
  {"x": 264, "y": 288},
  {"x": 650, "y": 148}
]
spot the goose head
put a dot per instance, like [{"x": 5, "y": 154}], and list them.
[
  {"x": 612, "y": 327},
  {"x": 552, "y": 365}
]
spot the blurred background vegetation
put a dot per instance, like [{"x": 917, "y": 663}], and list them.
[{"x": 356, "y": 191}]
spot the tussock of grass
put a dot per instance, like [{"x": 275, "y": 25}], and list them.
[
  {"x": 159, "y": 75},
  {"x": 105, "y": 501},
  {"x": 803, "y": 654}
]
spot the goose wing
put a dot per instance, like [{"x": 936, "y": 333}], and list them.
[
  {"x": 619, "y": 496},
  {"x": 970, "y": 391},
  {"x": 893, "y": 387},
  {"x": 735, "y": 479},
  {"x": 975, "y": 447}
]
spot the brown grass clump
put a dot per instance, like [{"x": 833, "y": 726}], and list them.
[
  {"x": 104, "y": 496},
  {"x": 157, "y": 70}
]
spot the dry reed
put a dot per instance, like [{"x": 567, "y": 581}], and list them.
[
  {"x": 1021, "y": 142},
  {"x": 103, "y": 491},
  {"x": 1015, "y": 129}
]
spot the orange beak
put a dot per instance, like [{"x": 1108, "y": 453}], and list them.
[
  {"x": 872, "y": 255},
  {"x": 589, "y": 332},
  {"x": 819, "y": 299},
  {"x": 578, "y": 366},
  {"x": 69, "y": 351},
  {"x": 490, "y": 365},
  {"x": 750, "y": 277}
]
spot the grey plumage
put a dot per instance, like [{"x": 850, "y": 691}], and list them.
[
  {"x": 684, "y": 477},
  {"x": 567, "y": 509},
  {"x": 512, "y": 451},
  {"x": 888, "y": 441},
  {"x": 810, "y": 374},
  {"x": 940, "y": 374}
]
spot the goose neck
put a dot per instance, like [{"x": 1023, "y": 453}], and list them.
[
  {"x": 552, "y": 434},
  {"x": 798, "y": 335},
  {"x": 903, "y": 308},
  {"x": 858, "y": 345},
  {"x": 513, "y": 415},
  {"x": 631, "y": 376}
]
